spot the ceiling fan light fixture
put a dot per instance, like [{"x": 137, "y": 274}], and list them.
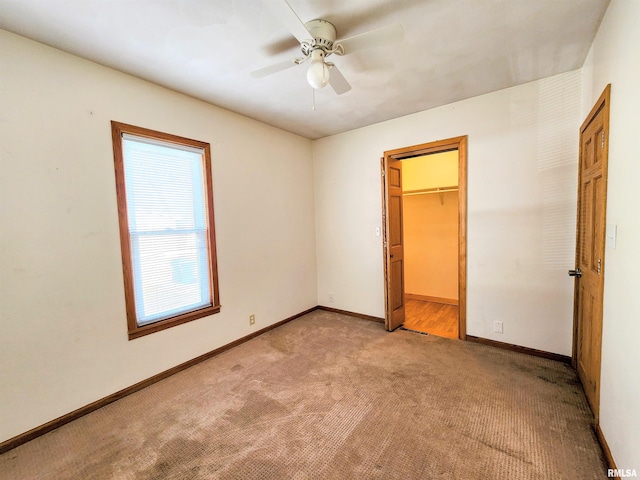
[{"x": 318, "y": 74}]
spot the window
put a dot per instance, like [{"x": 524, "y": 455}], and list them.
[{"x": 165, "y": 206}]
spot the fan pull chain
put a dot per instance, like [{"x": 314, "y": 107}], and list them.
[{"x": 313, "y": 99}]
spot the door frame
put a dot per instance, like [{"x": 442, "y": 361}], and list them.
[{"x": 440, "y": 146}]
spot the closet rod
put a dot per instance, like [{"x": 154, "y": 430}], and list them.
[{"x": 426, "y": 191}]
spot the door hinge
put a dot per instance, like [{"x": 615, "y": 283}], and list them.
[
  {"x": 382, "y": 171},
  {"x": 599, "y": 265},
  {"x": 603, "y": 139}
]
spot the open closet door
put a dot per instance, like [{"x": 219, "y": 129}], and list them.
[
  {"x": 392, "y": 212},
  {"x": 394, "y": 248}
]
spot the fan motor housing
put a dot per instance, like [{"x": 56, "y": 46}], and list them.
[{"x": 324, "y": 34}]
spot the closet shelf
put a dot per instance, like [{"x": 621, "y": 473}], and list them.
[{"x": 427, "y": 191}]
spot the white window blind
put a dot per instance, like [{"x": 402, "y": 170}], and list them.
[{"x": 167, "y": 217}]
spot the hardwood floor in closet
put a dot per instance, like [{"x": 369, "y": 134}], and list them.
[{"x": 429, "y": 317}]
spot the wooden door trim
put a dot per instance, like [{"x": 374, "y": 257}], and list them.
[{"x": 440, "y": 146}]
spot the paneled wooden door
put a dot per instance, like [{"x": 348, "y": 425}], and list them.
[
  {"x": 589, "y": 273},
  {"x": 394, "y": 248}
]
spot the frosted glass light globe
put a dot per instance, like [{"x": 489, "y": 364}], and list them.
[{"x": 318, "y": 75}]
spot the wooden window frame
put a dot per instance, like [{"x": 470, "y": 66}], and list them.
[{"x": 135, "y": 330}]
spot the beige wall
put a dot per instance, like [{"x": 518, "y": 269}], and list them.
[
  {"x": 431, "y": 245},
  {"x": 63, "y": 333},
  {"x": 430, "y": 171},
  {"x": 522, "y": 180},
  {"x": 614, "y": 58}
]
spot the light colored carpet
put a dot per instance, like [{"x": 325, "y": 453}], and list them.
[{"x": 334, "y": 397}]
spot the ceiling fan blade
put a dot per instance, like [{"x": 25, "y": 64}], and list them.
[
  {"x": 286, "y": 15},
  {"x": 338, "y": 82},
  {"x": 375, "y": 38},
  {"x": 275, "y": 68}
]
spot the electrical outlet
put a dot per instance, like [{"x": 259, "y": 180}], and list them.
[
  {"x": 331, "y": 298},
  {"x": 252, "y": 319},
  {"x": 497, "y": 327}
]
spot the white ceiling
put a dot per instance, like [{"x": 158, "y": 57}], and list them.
[{"x": 452, "y": 50}]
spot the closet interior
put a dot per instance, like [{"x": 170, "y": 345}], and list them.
[{"x": 430, "y": 222}]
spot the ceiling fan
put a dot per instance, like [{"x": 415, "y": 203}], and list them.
[{"x": 318, "y": 40}]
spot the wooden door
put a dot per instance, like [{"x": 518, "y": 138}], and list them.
[
  {"x": 589, "y": 274},
  {"x": 394, "y": 248}
]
